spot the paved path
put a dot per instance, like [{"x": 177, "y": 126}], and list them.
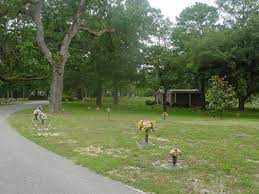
[{"x": 26, "y": 168}]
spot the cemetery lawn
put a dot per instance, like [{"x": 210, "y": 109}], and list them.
[{"x": 217, "y": 155}]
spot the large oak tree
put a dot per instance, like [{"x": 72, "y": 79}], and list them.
[{"x": 58, "y": 58}]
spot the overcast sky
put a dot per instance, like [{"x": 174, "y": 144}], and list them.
[{"x": 172, "y": 8}]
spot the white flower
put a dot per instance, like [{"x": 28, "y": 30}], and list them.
[
  {"x": 36, "y": 112},
  {"x": 42, "y": 116}
]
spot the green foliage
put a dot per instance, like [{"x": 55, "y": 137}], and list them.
[
  {"x": 12, "y": 100},
  {"x": 67, "y": 98},
  {"x": 146, "y": 52},
  {"x": 193, "y": 22},
  {"x": 198, "y": 18},
  {"x": 150, "y": 102},
  {"x": 237, "y": 11},
  {"x": 220, "y": 96}
]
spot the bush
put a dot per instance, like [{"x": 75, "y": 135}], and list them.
[
  {"x": 149, "y": 92},
  {"x": 221, "y": 96},
  {"x": 150, "y": 102},
  {"x": 11, "y": 100},
  {"x": 38, "y": 98},
  {"x": 86, "y": 99},
  {"x": 69, "y": 99}
]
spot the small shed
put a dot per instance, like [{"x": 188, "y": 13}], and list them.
[{"x": 180, "y": 98}]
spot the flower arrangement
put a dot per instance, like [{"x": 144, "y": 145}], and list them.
[
  {"x": 39, "y": 115},
  {"x": 36, "y": 113},
  {"x": 173, "y": 154},
  {"x": 42, "y": 116},
  {"x": 146, "y": 126}
]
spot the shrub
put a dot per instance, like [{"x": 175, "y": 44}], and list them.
[
  {"x": 150, "y": 102},
  {"x": 69, "y": 99},
  {"x": 221, "y": 96},
  {"x": 11, "y": 100},
  {"x": 149, "y": 92}
]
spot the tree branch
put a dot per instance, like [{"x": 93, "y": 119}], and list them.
[
  {"x": 95, "y": 33},
  {"x": 22, "y": 78},
  {"x": 40, "y": 31},
  {"x": 71, "y": 32}
]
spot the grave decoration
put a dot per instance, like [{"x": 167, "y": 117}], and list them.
[
  {"x": 146, "y": 126},
  {"x": 174, "y": 153}
]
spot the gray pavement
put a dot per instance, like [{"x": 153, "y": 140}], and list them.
[{"x": 26, "y": 168}]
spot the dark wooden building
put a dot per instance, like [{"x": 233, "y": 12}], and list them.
[{"x": 180, "y": 98}]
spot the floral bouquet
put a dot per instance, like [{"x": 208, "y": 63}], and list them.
[
  {"x": 39, "y": 115},
  {"x": 146, "y": 126},
  {"x": 174, "y": 153}
]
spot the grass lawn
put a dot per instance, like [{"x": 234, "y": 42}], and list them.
[{"x": 217, "y": 155}]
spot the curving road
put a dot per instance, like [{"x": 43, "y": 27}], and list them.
[{"x": 26, "y": 168}]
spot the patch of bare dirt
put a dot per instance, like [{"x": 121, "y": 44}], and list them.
[
  {"x": 159, "y": 139},
  {"x": 91, "y": 151},
  {"x": 98, "y": 150},
  {"x": 198, "y": 186},
  {"x": 168, "y": 164},
  {"x": 131, "y": 172},
  {"x": 253, "y": 161},
  {"x": 46, "y": 134}
]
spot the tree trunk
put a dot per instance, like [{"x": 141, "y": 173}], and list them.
[
  {"x": 79, "y": 93},
  {"x": 115, "y": 95},
  {"x": 241, "y": 104},
  {"x": 202, "y": 85},
  {"x": 242, "y": 100},
  {"x": 23, "y": 92},
  {"x": 56, "y": 89},
  {"x": 99, "y": 92}
]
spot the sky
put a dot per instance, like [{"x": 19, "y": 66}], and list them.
[{"x": 172, "y": 8}]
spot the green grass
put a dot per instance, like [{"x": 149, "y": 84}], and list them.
[{"x": 218, "y": 155}]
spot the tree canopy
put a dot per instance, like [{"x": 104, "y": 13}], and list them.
[{"x": 125, "y": 47}]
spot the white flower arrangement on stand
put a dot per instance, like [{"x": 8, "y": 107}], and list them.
[{"x": 39, "y": 115}]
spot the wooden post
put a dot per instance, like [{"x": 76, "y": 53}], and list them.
[
  {"x": 109, "y": 116},
  {"x": 174, "y": 160},
  {"x": 175, "y": 98},
  {"x": 146, "y": 136}
]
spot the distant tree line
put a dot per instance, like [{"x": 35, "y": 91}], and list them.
[{"x": 125, "y": 47}]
